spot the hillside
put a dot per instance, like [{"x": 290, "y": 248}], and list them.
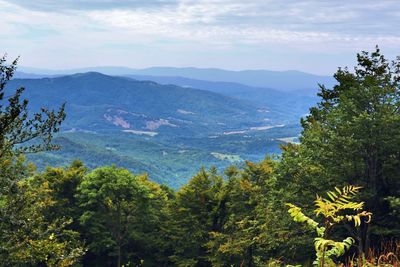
[
  {"x": 167, "y": 131},
  {"x": 98, "y": 102},
  {"x": 285, "y": 106}
]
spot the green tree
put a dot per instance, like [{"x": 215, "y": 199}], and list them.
[
  {"x": 150, "y": 244},
  {"x": 352, "y": 137},
  {"x": 243, "y": 238},
  {"x": 115, "y": 206},
  {"x": 28, "y": 236},
  {"x": 63, "y": 183},
  {"x": 193, "y": 214},
  {"x": 17, "y": 126}
]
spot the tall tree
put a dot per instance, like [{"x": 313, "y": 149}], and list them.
[
  {"x": 150, "y": 244},
  {"x": 353, "y": 137},
  {"x": 27, "y": 235}
]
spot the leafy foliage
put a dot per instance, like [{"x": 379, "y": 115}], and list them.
[
  {"x": 352, "y": 137},
  {"x": 18, "y": 127},
  {"x": 118, "y": 209},
  {"x": 28, "y": 236},
  {"x": 340, "y": 201},
  {"x": 334, "y": 210}
]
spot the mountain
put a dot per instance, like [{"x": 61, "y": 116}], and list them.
[
  {"x": 287, "y": 81},
  {"x": 285, "y": 106},
  {"x": 28, "y": 75},
  {"x": 98, "y": 102},
  {"x": 168, "y": 131},
  {"x": 51, "y": 72}
]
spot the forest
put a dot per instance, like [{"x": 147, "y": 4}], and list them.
[{"x": 333, "y": 199}]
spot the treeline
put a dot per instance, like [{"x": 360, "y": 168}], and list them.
[{"x": 109, "y": 216}]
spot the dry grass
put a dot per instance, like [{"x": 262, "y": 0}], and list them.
[{"x": 387, "y": 254}]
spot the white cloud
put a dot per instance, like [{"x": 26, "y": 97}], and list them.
[
  {"x": 85, "y": 34},
  {"x": 212, "y": 21}
]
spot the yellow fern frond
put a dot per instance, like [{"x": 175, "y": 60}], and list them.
[
  {"x": 335, "y": 210},
  {"x": 357, "y": 217}
]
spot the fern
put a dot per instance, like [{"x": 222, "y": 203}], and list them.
[{"x": 333, "y": 209}]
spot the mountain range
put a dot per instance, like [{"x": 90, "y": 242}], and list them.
[
  {"x": 167, "y": 126},
  {"x": 288, "y": 81},
  {"x": 98, "y": 102}
]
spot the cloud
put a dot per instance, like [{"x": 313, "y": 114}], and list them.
[
  {"x": 174, "y": 31},
  {"x": 62, "y": 5},
  {"x": 259, "y": 21},
  {"x": 227, "y": 20}
]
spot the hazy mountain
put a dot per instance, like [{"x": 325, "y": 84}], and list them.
[
  {"x": 165, "y": 130},
  {"x": 28, "y": 75},
  {"x": 49, "y": 72},
  {"x": 284, "y": 105},
  {"x": 279, "y": 80},
  {"x": 99, "y": 102}
]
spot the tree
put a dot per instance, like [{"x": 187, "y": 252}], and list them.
[
  {"x": 243, "y": 237},
  {"x": 28, "y": 235},
  {"x": 63, "y": 183},
  {"x": 193, "y": 214},
  {"x": 115, "y": 206},
  {"x": 17, "y": 127},
  {"x": 352, "y": 137}
]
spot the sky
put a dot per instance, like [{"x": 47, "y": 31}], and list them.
[{"x": 315, "y": 36}]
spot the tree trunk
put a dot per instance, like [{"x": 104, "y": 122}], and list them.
[
  {"x": 250, "y": 254},
  {"x": 119, "y": 256},
  {"x": 372, "y": 204}
]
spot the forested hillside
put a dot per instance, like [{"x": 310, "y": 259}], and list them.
[
  {"x": 333, "y": 199},
  {"x": 167, "y": 131}
]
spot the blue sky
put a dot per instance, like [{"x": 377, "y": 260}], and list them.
[{"x": 315, "y": 36}]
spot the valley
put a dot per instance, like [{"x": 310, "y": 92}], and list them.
[{"x": 166, "y": 126}]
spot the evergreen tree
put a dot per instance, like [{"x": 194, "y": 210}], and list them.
[{"x": 245, "y": 236}]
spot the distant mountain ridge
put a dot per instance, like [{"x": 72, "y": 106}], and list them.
[
  {"x": 100, "y": 102},
  {"x": 282, "y": 104},
  {"x": 280, "y": 80}
]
